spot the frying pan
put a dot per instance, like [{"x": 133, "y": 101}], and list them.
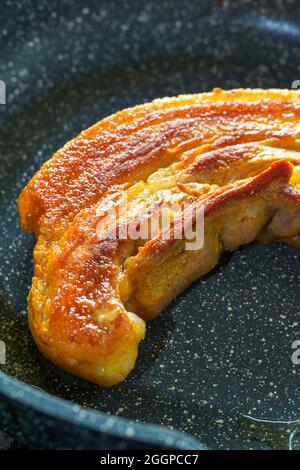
[{"x": 215, "y": 370}]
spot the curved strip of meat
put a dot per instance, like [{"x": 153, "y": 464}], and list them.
[{"x": 234, "y": 155}]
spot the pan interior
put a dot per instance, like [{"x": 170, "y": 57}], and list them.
[{"x": 223, "y": 350}]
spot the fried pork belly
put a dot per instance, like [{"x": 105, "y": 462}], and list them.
[{"x": 232, "y": 156}]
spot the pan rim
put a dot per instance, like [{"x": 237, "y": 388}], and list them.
[{"x": 95, "y": 420}]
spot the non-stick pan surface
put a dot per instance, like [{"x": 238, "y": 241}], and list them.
[{"x": 217, "y": 365}]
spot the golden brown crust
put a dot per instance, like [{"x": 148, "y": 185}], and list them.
[
  {"x": 234, "y": 152},
  {"x": 131, "y": 144}
]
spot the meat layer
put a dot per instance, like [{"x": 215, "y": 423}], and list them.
[{"x": 230, "y": 156}]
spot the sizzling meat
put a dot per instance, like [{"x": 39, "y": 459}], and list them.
[{"x": 231, "y": 157}]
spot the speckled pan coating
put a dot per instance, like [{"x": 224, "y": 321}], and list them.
[{"x": 66, "y": 65}]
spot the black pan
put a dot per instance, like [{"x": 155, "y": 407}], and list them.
[{"x": 216, "y": 369}]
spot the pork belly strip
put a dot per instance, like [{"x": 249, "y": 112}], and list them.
[
  {"x": 234, "y": 153},
  {"x": 130, "y": 145}
]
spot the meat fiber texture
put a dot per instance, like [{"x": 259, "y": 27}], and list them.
[{"x": 231, "y": 156}]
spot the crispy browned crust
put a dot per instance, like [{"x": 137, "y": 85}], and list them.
[{"x": 235, "y": 152}]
